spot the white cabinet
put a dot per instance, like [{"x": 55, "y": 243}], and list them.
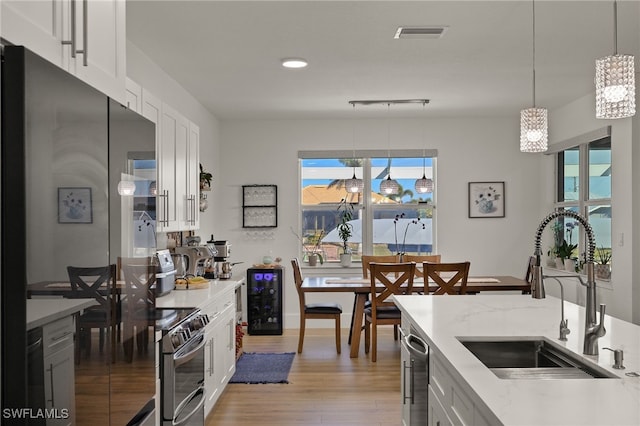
[
  {"x": 220, "y": 362},
  {"x": 85, "y": 37},
  {"x": 178, "y": 172},
  {"x": 133, "y": 97},
  {"x": 59, "y": 373}
]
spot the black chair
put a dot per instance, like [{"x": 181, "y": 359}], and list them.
[
  {"x": 138, "y": 300},
  {"x": 314, "y": 310},
  {"x": 97, "y": 283}
]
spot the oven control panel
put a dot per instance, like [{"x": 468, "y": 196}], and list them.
[{"x": 190, "y": 328}]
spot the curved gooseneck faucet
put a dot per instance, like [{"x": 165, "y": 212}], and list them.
[{"x": 592, "y": 329}]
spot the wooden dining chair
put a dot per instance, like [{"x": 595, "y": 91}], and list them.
[
  {"x": 420, "y": 260},
  {"x": 97, "y": 283},
  {"x": 397, "y": 278},
  {"x": 366, "y": 260},
  {"x": 314, "y": 310},
  {"x": 454, "y": 273},
  {"x": 138, "y": 301}
]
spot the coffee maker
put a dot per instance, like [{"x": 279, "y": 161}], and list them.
[
  {"x": 222, "y": 265},
  {"x": 201, "y": 258}
]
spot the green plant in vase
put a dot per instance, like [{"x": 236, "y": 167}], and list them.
[
  {"x": 602, "y": 267},
  {"x": 345, "y": 230}
]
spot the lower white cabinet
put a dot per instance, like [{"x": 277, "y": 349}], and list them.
[
  {"x": 59, "y": 373},
  {"x": 220, "y": 362}
]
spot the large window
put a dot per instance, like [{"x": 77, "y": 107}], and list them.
[
  {"x": 584, "y": 186},
  {"x": 382, "y": 223}
]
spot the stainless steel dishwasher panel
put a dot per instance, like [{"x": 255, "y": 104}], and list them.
[{"x": 414, "y": 379}]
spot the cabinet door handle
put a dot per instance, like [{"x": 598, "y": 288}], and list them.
[
  {"x": 53, "y": 404},
  {"x": 85, "y": 32},
  {"x": 72, "y": 42}
]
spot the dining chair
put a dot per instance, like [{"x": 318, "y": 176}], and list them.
[
  {"x": 397, "y": 278},
  {"x": 138, "y": 302},
  {"x": 455, "y": 273},
  {"x": 97, "y": 283},
  {"x": 420, "y": 260},
  {"x": 314, "y": 310},
  {"x": 366, "y": 260}
]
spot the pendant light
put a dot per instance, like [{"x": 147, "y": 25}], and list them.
[
  {"x": 534, "y": 135},
  {"x": 423, "y": 185},
  {"x": 389, "y": 186},
  {"x": 615, "y": 81},
  {"x": 354, "y": 185}
]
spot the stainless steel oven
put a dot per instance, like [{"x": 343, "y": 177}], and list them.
[{"x": 182, "y": 370}]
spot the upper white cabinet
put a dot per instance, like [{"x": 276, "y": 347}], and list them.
[
  {"x": 193, "y": 178},
  {"x": 85, "y": 37}
]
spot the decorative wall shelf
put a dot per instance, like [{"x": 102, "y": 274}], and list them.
[{"x": 259, "y": 206}]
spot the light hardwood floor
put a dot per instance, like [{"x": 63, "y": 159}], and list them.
[{"x": 325, "y": 388}]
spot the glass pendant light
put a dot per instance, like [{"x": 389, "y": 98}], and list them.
[
  {"x": 615, "y": 81},
  {"x": 354, "y": 185},
  {"x": 126, "y": 188},
  {"x": 423, "y": 185},
  {"x": 534, "y": 135},
  {"x": 389, "y": 186}
]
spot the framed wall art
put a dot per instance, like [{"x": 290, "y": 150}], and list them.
[
  {"x": 74, "y": 205},
  {"x": 486, "y": 199}
]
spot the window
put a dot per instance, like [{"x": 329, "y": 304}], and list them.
[
  {"x": 584, "y": 186},
  {"x": 382, "y": 224}
]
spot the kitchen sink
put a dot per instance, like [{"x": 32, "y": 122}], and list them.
[{"x": 534, "y": 358}]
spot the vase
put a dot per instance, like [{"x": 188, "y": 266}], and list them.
[
  {"x": 312, "y": 258},
  {"x": 602, "y": 272},
  {"x": 559, "y": 263},
  {"x": 570, "y": 265},
  {"x": 551, "y": 262},
  {"x": 345, "y": 260}
]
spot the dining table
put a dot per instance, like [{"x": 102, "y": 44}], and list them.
[{"x": 361, "y": 287}]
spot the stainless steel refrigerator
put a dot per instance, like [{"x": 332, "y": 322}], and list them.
[{"x": 66, "y": 149}]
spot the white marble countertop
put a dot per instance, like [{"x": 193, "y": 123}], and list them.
[
  {"x": 44, "y": 311},
  {"x": 441, "y": 319},
  {"x": 196, "y": 298}
]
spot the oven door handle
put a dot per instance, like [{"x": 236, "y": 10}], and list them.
[
  {"x": 179, "y": 358},
  {"x": 185, "y": 402}
]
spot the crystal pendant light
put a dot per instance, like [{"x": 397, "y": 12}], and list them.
[
  {"x": 534, "y": 135},
  {"x": 354, "y": 185},
  {"x": 389, "y": 186},
  {"x": 423, "y": 185},
  {"x": 615, "y": 81}
]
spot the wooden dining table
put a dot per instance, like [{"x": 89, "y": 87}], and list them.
[{"x": 362, "y": 288}]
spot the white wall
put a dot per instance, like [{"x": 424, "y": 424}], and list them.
[
  {"x": 148, "y": 75},
  {"x": 469, "y": 149},
  {"x": 576, "y": 119}
]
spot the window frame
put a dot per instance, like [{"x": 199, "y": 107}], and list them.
[
  {"x": 367, "y": 205},
  {"x": 584, "y": 200}
]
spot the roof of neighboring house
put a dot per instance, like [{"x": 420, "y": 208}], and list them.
[{"x": 322, "y": 194}]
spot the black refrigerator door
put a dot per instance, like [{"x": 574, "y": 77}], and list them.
[{"x": 62, "y": 159}]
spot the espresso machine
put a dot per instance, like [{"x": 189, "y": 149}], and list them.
[
  {"x": 222, "y": 265},
  {"x": 200, "y": 259}
]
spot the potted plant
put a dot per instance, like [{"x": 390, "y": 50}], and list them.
[
  {"x": 602, "y": 267},
  {"x": 554, "y": 259},
  {"x": 205, "y": 179},
  {"x": 345, "y": 230},
  {"x": 311, "y": 249},
  {"x": 565, "y": 251}
]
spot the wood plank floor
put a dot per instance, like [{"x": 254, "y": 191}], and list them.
[{"x": 324, "y": 388}]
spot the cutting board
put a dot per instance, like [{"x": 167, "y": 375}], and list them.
[{"x": 192, "y": 286}]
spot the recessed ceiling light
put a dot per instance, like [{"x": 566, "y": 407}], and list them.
[
  {"x": 294, "y": 63},
  {"x": 421, "y": 32}
]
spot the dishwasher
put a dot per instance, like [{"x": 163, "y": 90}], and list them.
[{"x": 414, "y": 379}]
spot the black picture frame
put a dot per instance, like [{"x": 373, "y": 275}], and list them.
[{"x": 487, "y": 200}]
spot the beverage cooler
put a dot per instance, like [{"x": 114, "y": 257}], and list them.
[{"x": 264, "y": 300}]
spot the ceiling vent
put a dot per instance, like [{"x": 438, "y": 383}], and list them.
[{"x": 420, "y": 32}]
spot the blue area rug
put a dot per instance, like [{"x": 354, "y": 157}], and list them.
[{"x": 253, "y": 367}]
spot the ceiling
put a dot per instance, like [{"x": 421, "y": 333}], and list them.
[{"x": 227, "y": 54}]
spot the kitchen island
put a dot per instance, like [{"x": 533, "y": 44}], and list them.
[{"x": 463, "y": 390}]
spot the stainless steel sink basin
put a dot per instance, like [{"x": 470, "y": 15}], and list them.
[{"x": 534, "y": 358}]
